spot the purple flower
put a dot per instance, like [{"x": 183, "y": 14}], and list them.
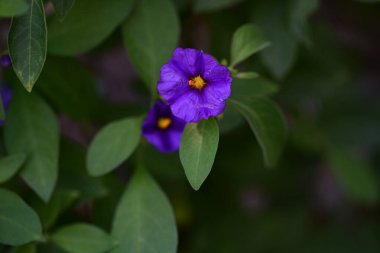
[
  {"x": 162, "y": 129},
  {"x": 6, "y": 96},
  {"x": 6, "y": 61},
  {"x": 195, "y": 85}
]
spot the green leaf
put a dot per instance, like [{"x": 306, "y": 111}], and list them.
[
  {"x": 230, "y": 120},
  {"x": 29, "y": 248},
  {"x": 150, "y": 35},
  {"x": 299, "y": 12},
  {"x": 272, "y": 20},
  {"x": 267, "y": 123},
  {"x": 87, "y": 25},
  {"x": 144, "y": 221},
  {"x": 19, "y": 224},
  {"x": 113, "y": 145},
  {"x": 254, "y": 87},
  {"x": 213, "y": 5},
  {"x": 198, "y": 149},
  {"x": 65, "y": 83},
  {"x": 9, "y": 166},
  {"x": 73, "y": 174},
  {"x": 60, "y": 202},
  {"x": 62, "y": 7},
  {"x": 246, "y": 41},
  {"x": 355, "y": 175},
  {"x": 9, "y": 8},
  {"x": 32, "y": 128},
  {"x": 83, "y": 238},
  {"x": 27, "y": 44},
  {"x": 246, "y": 75}
]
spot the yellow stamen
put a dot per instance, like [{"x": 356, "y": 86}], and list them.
[
  {"x": 197, "y": 82},
  {"x": 164, "y": 123}
]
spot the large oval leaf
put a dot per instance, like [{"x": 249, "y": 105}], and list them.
[
  {"x": 267, "y": 123},
  {"x": 87, "y": 24},
  {"x": 19, "y": 224},
  {"x": 144, "y": 221},
  {"x": 113, "y": 145},
  {"x": 31, "y": 128},
  {"x": 9, "y": 166},
  {"x": 13, "y": 8},
  {"x": 27, "y": 44},
  {"x": 198, "y": 149},
  {"x": 83, "y": 238},
  {"x": 62, "y": 7},
  {"x": 150, "y": 35}
]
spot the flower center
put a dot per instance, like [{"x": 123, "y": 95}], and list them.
[
  {"x": 163, "y": 123},
  {"x": 197, "y": 82}
]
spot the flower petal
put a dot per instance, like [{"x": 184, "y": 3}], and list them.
[{"x": 189, "y": 61}]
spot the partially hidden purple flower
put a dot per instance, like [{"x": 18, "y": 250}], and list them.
[
  {"x": 162, "y": 129},
  {"x": 5, "y": 61},
  {"x": 194, "y": 84},
  {"x": 6, "y": 97}
]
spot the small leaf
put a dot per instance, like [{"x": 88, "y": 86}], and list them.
[
  {"x": 9, "y": 8},
  {"x": 83, "y": 238},
  {"x": 19, "y": 224},
  {"x": 62, "y": 7},
  {"x": 88, "y": 24},
  {"x": 246, "y": 41},
  {"x": 144, "y": 221},
  {"x": 150, "y": 35},
  {"x": 27, "y": 44},
  {"x": 113, "y": 145},
  {"x": 356, "y": 176},
  {"x": 249, "y": 88},
  {"x": 31, "y": 128},
  {"x": 213, "y": 5},
  {"x": 198, "y": 149},
  {"x": 246, "y": 75},
  {"x": 9, "y": 166},
  {"x": 267, "y": 123}
]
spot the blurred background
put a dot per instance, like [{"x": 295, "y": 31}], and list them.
[{"x": 323, "y": 196}]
